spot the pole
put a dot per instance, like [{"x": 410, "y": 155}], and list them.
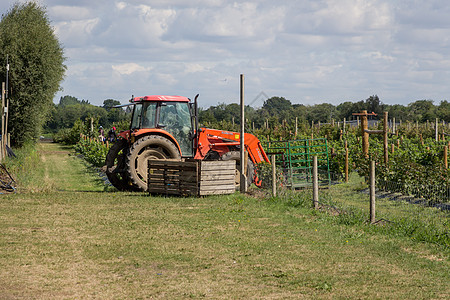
[
  {"x": 436, "y": 130},
  {"x": 315, "y": 184},
  {"x": 365, "y": 135},
  {"x": 372, "y": 191},
  {"x": 346, "y": 164},
  {"x": 385, "y": 138},
  {"x": 3, "y": 122},
  {"x": 393, "y": 126},
  {"x": 274, "y": 176},
  {"x": 243, "y": 179},
  {"x": 445, "y": 157}
]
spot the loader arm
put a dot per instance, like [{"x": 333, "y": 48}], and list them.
[{"x": 221, "y": 141}]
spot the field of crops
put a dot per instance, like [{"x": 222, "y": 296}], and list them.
[{"x": 416, "y": 160}]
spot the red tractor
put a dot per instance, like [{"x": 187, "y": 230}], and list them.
[{"x": 166, "y": 127}]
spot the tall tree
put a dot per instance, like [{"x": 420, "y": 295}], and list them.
[
  {"x": 36, "y": 68},
  {"x": 373, "y": 104}
]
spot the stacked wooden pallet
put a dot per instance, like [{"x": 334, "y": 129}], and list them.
[{"x": 194, "y": 177}]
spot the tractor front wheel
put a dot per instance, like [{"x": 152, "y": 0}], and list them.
[{"x": 145, "y": 148}]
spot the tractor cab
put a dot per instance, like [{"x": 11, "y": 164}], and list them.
[{"x": 171, "y": 114}]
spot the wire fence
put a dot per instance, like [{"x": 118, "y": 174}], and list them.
[{"x": 425, "y": 194}]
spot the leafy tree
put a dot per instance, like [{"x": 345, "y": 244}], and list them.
[
  {"x": 422, "y": 110},
  {"x": 443, "y": 111},
  {"x": 346, "y": 110},
  {"x": 323, "y": 112},
  {"x": 277, "y": 104},
  {"x": 110, "y": 103},
  {"x": 397, "y": 111},
  {"x": 36, "y": 68},
  {"x": 373, "y": 104},
  {"x": 70, "y": 100}
]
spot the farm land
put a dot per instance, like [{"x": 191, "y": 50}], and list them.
[{"x": 67, "y": 235}]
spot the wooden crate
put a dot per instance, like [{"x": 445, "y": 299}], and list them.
[
  {"x": 193, "y": 177},
  {"x": 217, "y": 177}
]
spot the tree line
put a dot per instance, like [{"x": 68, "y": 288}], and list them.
[
  {"x": 70, "y": 109},
  {"x": 277, "y": 110},
  {"x": 72, "y": 116}
]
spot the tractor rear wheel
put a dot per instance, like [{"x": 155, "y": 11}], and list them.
[
  {"x": 148, "y": 147},
  {"x": 116, "y": 166},
  {"x": 236, "y": 155}
]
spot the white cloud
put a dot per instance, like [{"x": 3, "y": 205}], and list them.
[
  {"x": 312, "y": 50},
  {"x": 72, "y": 13},
  {"x": 76, "y": 33},
  {"x": 129, "y": 68}
]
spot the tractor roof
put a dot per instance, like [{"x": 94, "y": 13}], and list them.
[{"x": 160, "y": 98}]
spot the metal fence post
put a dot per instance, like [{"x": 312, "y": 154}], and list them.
[
  {"x": 243, "y": 179},
  {"x": 315, "y": 184},
  {"x": 372, "y": 192},
  {"x": 346, "y": 164},
  {"x": 274, "y": 177}
]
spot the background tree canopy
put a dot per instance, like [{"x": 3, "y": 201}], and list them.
[
  {"x": 277, "y": 109},
  {"x": 69, "y": 110},
  {"x": 36, "y": 68}
]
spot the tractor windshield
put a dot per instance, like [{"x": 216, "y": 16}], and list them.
[{"x": 176, "y": 119}]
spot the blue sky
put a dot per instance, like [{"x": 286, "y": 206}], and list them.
[{"x": 309, "y": 51}]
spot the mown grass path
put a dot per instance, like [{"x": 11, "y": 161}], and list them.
[
  {"x": 65, "y": 172},
  {"x": 76, "y": 241}
]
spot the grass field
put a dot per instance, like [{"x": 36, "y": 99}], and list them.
[{"x": 65, "y": 237}]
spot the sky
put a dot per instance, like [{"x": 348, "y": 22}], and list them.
[{"x": 309, "y": 51}]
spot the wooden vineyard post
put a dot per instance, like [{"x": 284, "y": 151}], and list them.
[
  {"x": 3, "y": 122},
  {"x": 372, "y": 192},
  {"x": 315, "y": 184},
  {"x": 385, "y": 137},
  {"x": 274, "y": 176},
  {"x": 243, "y": 179},
  {"x": 445, "y": 157},
  {"x": 346, "y": 164},
  {"x": 436, "y": 130},
  {"x": 365, "y": 135},
  {"x": 393, "y": 126}
]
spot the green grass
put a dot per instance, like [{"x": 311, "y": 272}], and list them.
[
  {"x": 75, "y": 241},
  {"x": 425, "y": 224}
]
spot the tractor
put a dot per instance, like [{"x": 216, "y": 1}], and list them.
[{"x": 167, "y": 127}]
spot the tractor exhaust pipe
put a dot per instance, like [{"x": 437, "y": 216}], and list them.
[{"x": 195, "y": 140}]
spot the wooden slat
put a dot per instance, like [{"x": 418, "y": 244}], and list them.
[
  {"x": 217, "y": 192},
  {"x": 218, "y": 165},
  {"x": 216, "y": 178},
  {"x": 217, "y": 187},
  {"x": 214, "y": 182},
  {"x": 171, "y": 163},
  {"x": 219, "y": 172}
]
